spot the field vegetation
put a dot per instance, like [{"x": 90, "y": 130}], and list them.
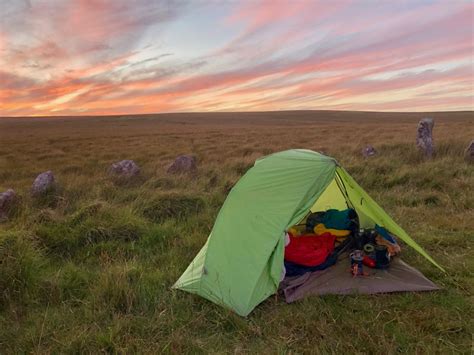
[{"x": 89, "y": 267}]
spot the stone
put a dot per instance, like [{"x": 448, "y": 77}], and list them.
[
  {"x": 469, "y": 152},
  {"x": 424, "y": 136},
  {"x": 8, "y": 200},
  {"x": 183, "y": 164},
  {"x": 125, "y": 169},
  {"x": 368, "y": 151},
  {"x": 43, "y": 183}
]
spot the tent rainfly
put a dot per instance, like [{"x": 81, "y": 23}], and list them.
[{"x": 241, "y": 263}]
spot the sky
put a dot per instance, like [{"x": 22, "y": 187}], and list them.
[{"x": 98, "y": 57}]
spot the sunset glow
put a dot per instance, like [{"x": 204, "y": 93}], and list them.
[{"x": 90, "y": 57}]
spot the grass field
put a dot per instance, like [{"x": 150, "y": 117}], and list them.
[{"x": 89, "y": 269}]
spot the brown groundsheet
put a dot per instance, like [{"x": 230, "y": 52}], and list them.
[{"x": 337, "y": 279}]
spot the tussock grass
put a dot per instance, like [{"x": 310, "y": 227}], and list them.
[
  {"x": 89, "y": 268},
  {"x": 20, "y": 265},
  {"x": 167, "y": 206}
]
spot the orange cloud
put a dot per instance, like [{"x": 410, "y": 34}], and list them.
[{"x": 87, "y": 57}]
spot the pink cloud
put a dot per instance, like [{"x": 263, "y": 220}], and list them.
[
  {"x": 80, "y": 58},
  {"x": 261, "y": 15}
]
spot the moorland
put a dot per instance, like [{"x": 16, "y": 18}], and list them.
[{"x": 90, "y": 267}]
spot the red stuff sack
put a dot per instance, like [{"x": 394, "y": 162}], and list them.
[{"x": 309, "y": 250}]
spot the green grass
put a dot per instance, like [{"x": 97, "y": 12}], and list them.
[{"x": 89, "y": 268}]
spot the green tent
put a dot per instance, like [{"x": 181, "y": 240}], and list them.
[{"x": 242, "y": 261}]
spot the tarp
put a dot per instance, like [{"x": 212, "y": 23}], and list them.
[{"x": 338, "y": 280}]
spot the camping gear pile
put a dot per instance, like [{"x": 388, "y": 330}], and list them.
[
  {"x": 319, "y": 242},
  {"x": 243, "y": 260}
]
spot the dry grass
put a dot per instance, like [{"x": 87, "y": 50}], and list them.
[{"x": 89, "y": 269}]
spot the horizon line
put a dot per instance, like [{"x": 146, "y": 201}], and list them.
[{"x": 234, "y": 112}]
